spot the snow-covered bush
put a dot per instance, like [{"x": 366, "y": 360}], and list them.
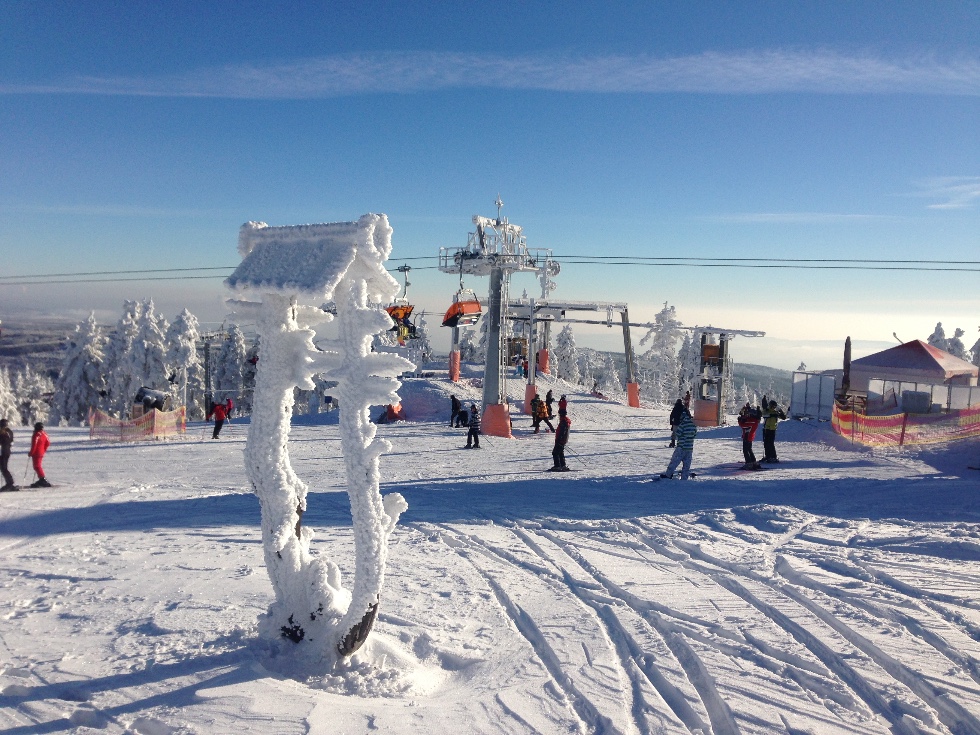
[
  {"x": 33, "y": 391},
  {"x": 8, "y": 400},
  {"x": 184, "y": 363}
]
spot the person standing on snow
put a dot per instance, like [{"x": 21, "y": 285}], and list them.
[
  {"x": 6, "y": 439},
  {"x": 220, "y": 413},
  {"x": 675, "y": 417},
  {"x": 39, "y": 445},
  {"x": 771, "y": 415},
  {"x": 748, "y": 421},
  {"x": 561, "y": 439},
  {"x": 454, "y": 406},
  {"x": 541, "y": 414},
  {"x": 549, "y": 400},
  {"x": 563, "y": 403},
  {"x": 684, "y": 451},
  {"x": 473, "y": 435}
]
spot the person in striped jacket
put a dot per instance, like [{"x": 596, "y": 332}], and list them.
[
  {"x": 684, "y": 451},
  {"x": 473, "y": 435}
]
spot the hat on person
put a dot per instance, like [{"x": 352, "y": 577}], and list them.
[
  {"x": 38, "y": 426},
  {"x": 3, "y": 422}
]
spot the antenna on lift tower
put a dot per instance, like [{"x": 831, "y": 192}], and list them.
[{"x": 499, "y": 203}]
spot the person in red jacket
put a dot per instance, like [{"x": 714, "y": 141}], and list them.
[
  {"x": 748, "y": 421},
  {"x": 39, "y": 445},
  {"x": 220, "y": 413}
]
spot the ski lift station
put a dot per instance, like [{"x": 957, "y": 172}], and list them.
[{"x": 498, "y": 249}]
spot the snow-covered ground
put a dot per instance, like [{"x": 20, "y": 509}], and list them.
[{"x": 834, "y": 593}]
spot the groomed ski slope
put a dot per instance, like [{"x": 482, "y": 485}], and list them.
[{"x": 834, "y": 593}]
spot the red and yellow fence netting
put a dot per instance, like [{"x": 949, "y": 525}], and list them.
[
  {"x": 152, "y": 425},
  {"x": 904, "y": 428}
]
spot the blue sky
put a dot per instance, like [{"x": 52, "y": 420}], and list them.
[{"x": 142, "y": 135}]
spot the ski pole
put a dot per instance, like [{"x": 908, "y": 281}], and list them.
[
  {"x": 26, "y": 468},
  {"x": 577, "y": 458}
]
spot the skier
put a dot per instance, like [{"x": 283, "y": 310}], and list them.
[
  {"x": 675, "y": 417},
  {"x": 748, "y": 421},
  {"x": 562, "y": 403},
  {"x": 541, "y": 414},
  {"x": 39, "y": 445},
  {"x": 687, "y": 401},
  {"x": 561, "y": 439},
  {"x": 229, "y": 407},
  {"x": 684, "y": 451},
  {"x": 455, "y": 405},
  {"x": 535, "y": 421},
  {"x": 473, "y": 435},
  {"x": 771, "y": 414},
  {"x": 6, "y": 439},
  {"x": 220, "y": 413},
  {"x": 549, "y": 400}
]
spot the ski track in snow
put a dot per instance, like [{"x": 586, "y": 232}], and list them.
[{"x": 833, "y": 593}]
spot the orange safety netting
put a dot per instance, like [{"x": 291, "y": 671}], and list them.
[
  {"x": 904, "y": 428},
  {"x": 152, "y": 425}
]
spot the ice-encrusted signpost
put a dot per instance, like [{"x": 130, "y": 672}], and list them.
[{"x": 342, "y": 261}]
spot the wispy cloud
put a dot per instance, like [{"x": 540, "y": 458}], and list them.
[
  {"x": 753, "y": 72},
  {"x": 953, "y": 192},
  {"x": 797, "y": 218}
]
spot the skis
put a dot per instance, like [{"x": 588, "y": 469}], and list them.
[{"x": 9, "y": 488}]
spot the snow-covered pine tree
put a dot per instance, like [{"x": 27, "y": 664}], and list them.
[
  {"x": 566, "y": 355},
  {"x": 227, "y": 382},
  {"x": 32, "y": 390},
  {"x": 938, "y": 337},
  {"x": 184, "y": 363},
  {"x": 467, "y": 345},
  {"x": 148, "y": 354},
  {"x": 121, "y": 383},
  {"x": 606, "y": 374},
  {"x": 586, "y": 367},
  {"x": 689, "y": 360},
  {"x": 422, "y": 342},
  {"x": 81, "y": 383},
  {"x": 8, "y": 400},
  {"x": 248, "y": 379},
  {"x": 955, "y": 346},
  {"x": 663, "y": 336}
]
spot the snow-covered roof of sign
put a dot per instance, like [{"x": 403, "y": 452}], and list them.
[
  {"x": 917, "y": 355},
  {"x": 311, "y": 259}
]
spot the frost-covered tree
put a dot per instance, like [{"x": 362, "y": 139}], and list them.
[
  {"x": 8, "y": 400},
  {"x": 81, "y": 384},
  {"x": 663, "y": 336},
  {"x": 33, "y": 391},
  {"x": 227, "y": 369},
  {"x": 566, "y": 355},
  {"x": 955, "y": 346},
  {"x": 121, "y": 383},
  {"x": 184, "y": 364},
  {"x": 938, "y": 337},
  {"x": 422, "y": 342},
  {"x": 689, "y": 360},
  {"x": 468, "y": 345},
  {"x": 247, "y": 396},
  {"x": 147, "y": 358},
  {"x": 586, "y": 367},
  {"x": 605, "y": 373},
  {"x": 801, "y": 368}
]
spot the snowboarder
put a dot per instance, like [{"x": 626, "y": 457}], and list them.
[
  {"x": 541, "y": 414},
  {"x": 473, "y": 435},
  {"x": 39, "y": 445},
  {"x": 561, "y": 439},
  {"x": 684, "y": 451},
  {"x": 549, "y": 401},
  {"x": 771, "y": 415},
  {"x": 6, "y": 439},
  {"x": 220, "y": 413},
  {"x": 748, "y": 421},
  {"x": 675, "y": 417},
  {"x": 454, "y": 406}
]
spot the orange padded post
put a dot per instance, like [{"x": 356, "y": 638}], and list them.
[
  {"x": 633, "y": 394},
  {"x": 496, "y": 421},
  {"x": 529, "y": 391},
  {"x": 543, "y": 362},
  {"x": 454, "y": 366}
]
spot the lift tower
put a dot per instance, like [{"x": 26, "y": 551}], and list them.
[{"x": 497, "y": 249}]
